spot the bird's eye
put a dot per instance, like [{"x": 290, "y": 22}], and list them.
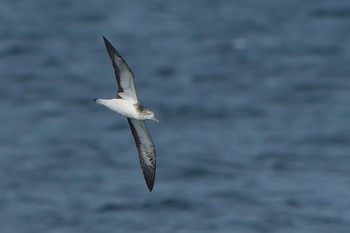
[{"x": 148, "y": 113}]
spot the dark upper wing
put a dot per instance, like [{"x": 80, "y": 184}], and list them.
[
  {"x": 125, "y": 77},
  {"x": 146, "y": 150}
]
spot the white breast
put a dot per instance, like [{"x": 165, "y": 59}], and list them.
[{"x": 121, "y": 106}]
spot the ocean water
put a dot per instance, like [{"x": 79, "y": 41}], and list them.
[{"x": 253, "y": 99}]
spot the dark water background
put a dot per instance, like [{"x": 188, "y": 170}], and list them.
[{"x": 253, "y": 99}]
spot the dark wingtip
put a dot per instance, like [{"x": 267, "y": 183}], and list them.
[
  {"x": 150, "y": 186},
  {"x": 149, "y": 181},
  {"x": 107, "y": 43},
  {"x": 110, "y": 49}
]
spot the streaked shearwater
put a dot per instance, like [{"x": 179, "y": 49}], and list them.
[{"x": 126, "y": 104}]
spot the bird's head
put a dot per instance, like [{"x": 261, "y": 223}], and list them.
[{"x": 149, "y": 115}]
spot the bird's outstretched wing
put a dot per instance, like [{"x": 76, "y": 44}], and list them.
[
  {"x": 123, "y": 74},
  {"x": 146, "y": 150}
]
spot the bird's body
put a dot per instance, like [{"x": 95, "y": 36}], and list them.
[
  {"x": 126, "y": 104},
  {"x": 123, "y": 107}
]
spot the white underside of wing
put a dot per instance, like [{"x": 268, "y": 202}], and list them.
[
  {"x": 126, "y": 80},
  {"x": 128, "y": 96},
  {"x": 146, "y": 144},
  {"x": 146, "y": 150}
]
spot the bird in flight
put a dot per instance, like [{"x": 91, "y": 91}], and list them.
[{"x": 126, "y": 104}]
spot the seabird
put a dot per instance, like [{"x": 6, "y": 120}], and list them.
[{"x": 126, "y": 104}]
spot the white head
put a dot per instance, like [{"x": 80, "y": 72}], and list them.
[{"x": 149, "y": 115}]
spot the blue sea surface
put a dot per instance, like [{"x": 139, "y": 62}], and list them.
[{"x": 253, "y": 99}]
